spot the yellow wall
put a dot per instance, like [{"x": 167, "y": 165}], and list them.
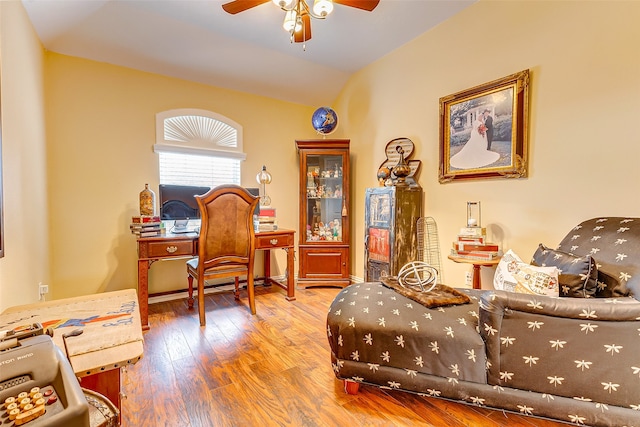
[
  {"x": 25, "y": 263},
  {"x": 584, "y": 144},
  {"x": 79, "y": 176},
  {"x": 100, "y": 131}
]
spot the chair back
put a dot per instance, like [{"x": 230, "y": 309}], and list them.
[{"x": 226, "y": 232}]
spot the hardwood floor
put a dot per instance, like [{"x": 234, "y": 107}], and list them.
[{"x": 272, "y": 369}]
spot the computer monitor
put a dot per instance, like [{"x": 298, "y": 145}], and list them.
[
  {"x": 255, "y": 192},
  {"x": 177, "y": 202}
]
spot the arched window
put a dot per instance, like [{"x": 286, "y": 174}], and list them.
[{"x": 198, "y": 148}]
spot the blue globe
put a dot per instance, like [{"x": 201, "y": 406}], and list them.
[{"x": 324, "y": 120}]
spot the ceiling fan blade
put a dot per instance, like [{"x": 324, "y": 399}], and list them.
[
  {"x": 304, "y": 33},
  {"x": 368, "y": 5},
  {"x": 238, "y": 6}
]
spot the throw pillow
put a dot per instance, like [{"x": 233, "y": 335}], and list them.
[
  {"x": 578, "y": 275},
  {"x": 515, "y": 275}
]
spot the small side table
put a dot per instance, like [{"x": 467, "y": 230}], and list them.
[{"x": 477, "y": 263}]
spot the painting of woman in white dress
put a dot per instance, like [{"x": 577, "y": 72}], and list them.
[
  {"x": 483, "y": 130},
  {"x": 475, "y": 154}
]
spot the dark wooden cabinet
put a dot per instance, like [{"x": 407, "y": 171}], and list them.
[
  {"x": 391, "y": 237},
  {"x": 324, "y": 212}
]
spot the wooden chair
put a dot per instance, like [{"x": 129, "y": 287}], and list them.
[{"x": 226, "y": 245}]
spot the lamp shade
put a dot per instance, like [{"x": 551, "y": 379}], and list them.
[
  {"x": 263, "y": 177},
  {"x": 289, "y": 20},
  {"x": 322, "y": 7},
  {"x": 283, "y": 3}
]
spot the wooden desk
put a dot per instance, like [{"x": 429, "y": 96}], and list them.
[
  {"x": 477, "y": 263},
  {"x": 111, "y": 338},
  {"x": 172, "y": 246}
]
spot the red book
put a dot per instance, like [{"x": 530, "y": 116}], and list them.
[
  {"x": 484, "y": 255},
  {"x": 478, "y": 240},
  {"x": 461, "y": 246},
  {"x": 268, "y": 212},
  {"x": 143, "y": 219}
]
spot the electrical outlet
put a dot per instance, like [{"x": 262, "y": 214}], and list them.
[
  {"x": 468, "y": 278},
  {"x": 42, "y": 290}
]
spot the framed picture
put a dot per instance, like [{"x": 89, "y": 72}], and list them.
[{"x": 483, "y": 130}]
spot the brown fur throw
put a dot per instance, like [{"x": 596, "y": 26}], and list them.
[{"x": 439, "y": 296}]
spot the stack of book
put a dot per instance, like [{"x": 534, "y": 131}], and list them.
[
  {"x": 147, "y": 226},
  {"x": 472, "y": 244},
  {"x": 267, "y": 219}
]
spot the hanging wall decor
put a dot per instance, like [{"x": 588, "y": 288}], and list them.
[{"x": 483, "y": 130}]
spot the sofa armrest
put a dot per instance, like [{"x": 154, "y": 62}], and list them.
[
  {"x": 559, "y": 345},
  {"x": 614, "y": 309}
]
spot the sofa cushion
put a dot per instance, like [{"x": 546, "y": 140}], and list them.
[
  {"x": 612, "y": 242},
  {"x": 577, "y": 275},
  {"x": 373, "y": 326},
  {"x": 515, "y": 275}
]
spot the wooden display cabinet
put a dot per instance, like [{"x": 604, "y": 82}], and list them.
[
  {"x": 324, "y": 213},
  {"x": 391, "y": 222}
]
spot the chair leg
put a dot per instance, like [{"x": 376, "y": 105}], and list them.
[
  {"x": 203, "y": 320},
  {"x": 190, "y": 299},
  {"x": 252, "y": 293},
  {"x": 236, "y": 294}
]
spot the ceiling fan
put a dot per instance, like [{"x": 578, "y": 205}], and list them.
[{"x": 298, "y": 14}]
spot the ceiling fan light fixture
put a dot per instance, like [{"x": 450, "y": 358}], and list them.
[
  {"x": 299, "y": 13},
  {"x": 283, "y": 4},
  {"x": 322, "y": 7},
  {"x": 290, "y": 21}
]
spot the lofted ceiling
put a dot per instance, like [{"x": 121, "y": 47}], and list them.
[{"x": 249, "y": 52}]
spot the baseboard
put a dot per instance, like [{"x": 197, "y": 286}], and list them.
[{"x": 209, "y": 289}]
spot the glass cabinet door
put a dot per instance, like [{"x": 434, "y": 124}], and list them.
[{"x": 325, "y": 198}]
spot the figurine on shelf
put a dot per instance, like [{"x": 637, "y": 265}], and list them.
[
  {"x": 402, "y": 169},
  {"x": 338, "y": 193},
  {"x": 336, "y": 172},
  {"x": 383, "y": 175},
  {"x": 335, "y": 229},
  {"x": 329, "y": 193},
  {"x": 316, "y": 215}
]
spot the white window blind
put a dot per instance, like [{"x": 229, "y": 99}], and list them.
[
  {"x": 198, "y": 147},
  {"x": 198, "y": 170}
]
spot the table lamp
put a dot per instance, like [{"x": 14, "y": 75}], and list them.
[{"x": 264, "y": 177}]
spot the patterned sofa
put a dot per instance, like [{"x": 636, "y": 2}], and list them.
[{"x": 575, "y": 360}]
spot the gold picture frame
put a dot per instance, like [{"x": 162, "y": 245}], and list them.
[{"x": 483, "y": 131}]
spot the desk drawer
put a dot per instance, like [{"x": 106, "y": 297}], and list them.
[
  {"x": 169, "y": 249},
  {"x": 274, "y": 241}
]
